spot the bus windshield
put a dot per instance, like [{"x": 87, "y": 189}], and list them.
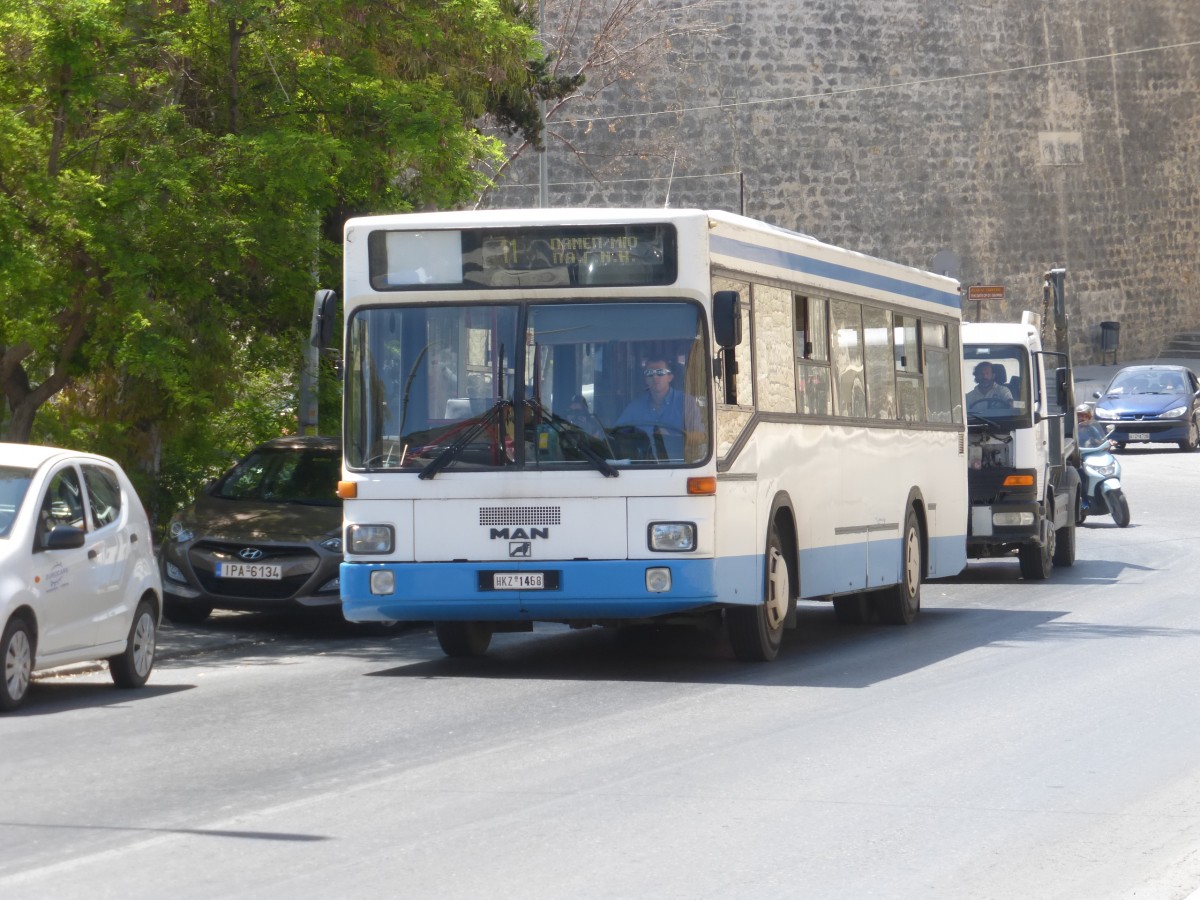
[{"x": 519, "y": 385}]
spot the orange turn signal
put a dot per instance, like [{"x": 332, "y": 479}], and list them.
[
  {"x": 704, "y": 484},
  {"x": 347, "y": 490},
  {"x": 1018, "y": 481}
]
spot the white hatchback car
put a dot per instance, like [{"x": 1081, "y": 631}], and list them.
[{"x": 78, "y": 579}]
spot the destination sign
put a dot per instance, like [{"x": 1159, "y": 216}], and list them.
[{"x": 572, "y": 255}]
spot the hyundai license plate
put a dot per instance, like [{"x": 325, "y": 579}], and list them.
[
  {"x": 1139, "y": 436},
  {"x": 518, "y": 581},
  {"x": 258, "y": 571}
]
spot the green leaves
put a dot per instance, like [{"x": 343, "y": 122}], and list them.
[{"x": 173, "y": 183}]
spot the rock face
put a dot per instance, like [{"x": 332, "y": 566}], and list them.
[{"x": 1001, "y": 136}]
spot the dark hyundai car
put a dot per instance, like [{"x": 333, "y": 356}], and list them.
[
  {"x": 266, "y": 535},
  {"x": 1151, "y": 404}
]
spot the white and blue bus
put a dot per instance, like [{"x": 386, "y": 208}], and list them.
[{"x": 612, "y": 417}]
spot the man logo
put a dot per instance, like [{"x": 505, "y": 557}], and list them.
[{"x": 520, "y": 548}]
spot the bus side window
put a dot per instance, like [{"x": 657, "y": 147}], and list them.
[
  {"x": 939, "y": 375},
  {"x": 810, "y": 319},
  {"x": 910, "y": 393}
]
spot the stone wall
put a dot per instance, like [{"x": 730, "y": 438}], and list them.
[{"x": 1013, "y": 135}]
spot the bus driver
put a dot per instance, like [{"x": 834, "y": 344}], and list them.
[{"x": 662, "y": 405}]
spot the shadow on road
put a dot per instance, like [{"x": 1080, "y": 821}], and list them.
[
  {"x": 821, "y": 653},
  {"x": 59, "y": 693}
]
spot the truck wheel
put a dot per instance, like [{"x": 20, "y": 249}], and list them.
[
  {"x": 1064, "y": 542},
  {"x": 1038, "y": 559},
  {"x": 755, "y": 632},
  {"x": 463, "y": 639},
  {"x": 1119, "y": 507},
  {"x": 899, "y": 604}
]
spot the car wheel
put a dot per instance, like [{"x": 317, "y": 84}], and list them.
[
  {"x": 131, "y": 668},
  {"x": 1188, "y": 445},
  {"x": 182, "y": 613},
  {"x": 16, "y": 653}
]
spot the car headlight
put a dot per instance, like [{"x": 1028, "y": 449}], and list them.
[
  {"x": 367, "y": 539},
  {"x": 333, "y": 544},
  {"x": 672, "y": 537},
  {"x": 1174, "y": 413},
  {"x": 1105, "y": 413}
]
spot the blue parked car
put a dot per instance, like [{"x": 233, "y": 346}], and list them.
[{"x": 1151, "y": 404}]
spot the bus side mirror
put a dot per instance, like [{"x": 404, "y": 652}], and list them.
[
  {"x": 727, "y": 319},
  {"x": 324, "y": 320}
]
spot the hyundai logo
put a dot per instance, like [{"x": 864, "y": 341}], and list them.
[{"x": 250, "y": 553}]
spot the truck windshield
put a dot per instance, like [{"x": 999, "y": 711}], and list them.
[
  {"x": 480, "y": 387},
  {"x": 1001, "y": 383}
]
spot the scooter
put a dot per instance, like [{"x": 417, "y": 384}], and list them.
[{"x": 1101, "y": 478}]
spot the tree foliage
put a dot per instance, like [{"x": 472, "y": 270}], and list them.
[{"x": 173, "y": 182}]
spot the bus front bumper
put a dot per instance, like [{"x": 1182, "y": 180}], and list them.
[{"x": 584, "y": 590}]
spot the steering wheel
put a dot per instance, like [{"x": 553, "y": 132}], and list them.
[
  {"x": 647, "y": 438},
  {"x": 991, "y": 403}
]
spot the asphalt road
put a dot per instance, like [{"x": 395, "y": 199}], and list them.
[{"x": 1021, "y": 740}]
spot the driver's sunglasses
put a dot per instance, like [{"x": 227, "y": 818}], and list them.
[{"x": 649, "y": 372}]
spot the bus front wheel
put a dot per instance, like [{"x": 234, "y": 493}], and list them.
[
  {"x": 755, "y": 632},
  {"x": 461, "y": 639},
  {"x": 899, "y": 604}
]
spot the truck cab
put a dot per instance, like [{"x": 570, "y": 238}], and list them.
[{"x": 1022, "y": 478}]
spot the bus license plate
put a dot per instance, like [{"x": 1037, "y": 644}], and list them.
[
  {"x": 1139, "y": 436},
  {"x": 518, "y": 581},
  {"x": 257, "y": 571}
]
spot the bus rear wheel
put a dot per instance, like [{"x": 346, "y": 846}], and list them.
[
  {"x": 756, "y": 632},
  {"x": 463, "y": 639}
]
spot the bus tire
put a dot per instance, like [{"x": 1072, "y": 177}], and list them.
[
  {"x": 463, "y": 639},
  {"x": 899, "y": 604},
  {"x": 756, "y": 632}
]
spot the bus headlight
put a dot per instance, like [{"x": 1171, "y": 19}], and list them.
[
  {"x": 366, "y": 539},
  {"x": 672, "y": 537}
]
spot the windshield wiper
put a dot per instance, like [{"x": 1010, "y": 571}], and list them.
[
  {"x": 569, "y": 434},
  {"x": 446, "y": 457}
]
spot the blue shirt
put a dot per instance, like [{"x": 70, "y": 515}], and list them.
[{"x": 678, "y": 413}]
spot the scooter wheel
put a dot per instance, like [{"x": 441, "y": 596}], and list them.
[{"x": 1119, "y": 508}]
